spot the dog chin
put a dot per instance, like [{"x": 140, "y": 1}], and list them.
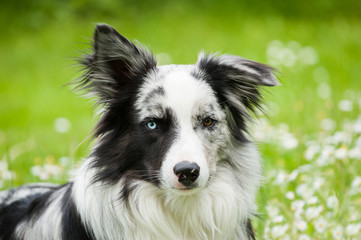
[{"x": 185, "y": 191}]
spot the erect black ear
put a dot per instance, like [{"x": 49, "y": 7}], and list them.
[
  {"x": 237, "y": 83},
  {"x": 113, "y": 63}
]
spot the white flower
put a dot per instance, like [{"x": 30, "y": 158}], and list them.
[
  {"x": 305, "y": 168},
  {"x": 304, "y": 237},
  {"x": 278, "y": 219},
  {"x": 46, "y": 171},
  {"x": 279, "y": 230},
  {"x": 341, "y": 153},
  {"x": 64, "y": 161},
  {"x": 274, "y": 52},
  {"x": 288, "y": 57},
  {"x": 322, "y": 161},
  {"x": 356, "y": 183},
  {"x": 328, "y": 124},
  {"x": 337, "y": 232},
  {"x": 289, "y": 141},
  {"x": 312, "y": 200},
  {"x": 326, "y": 155},
  {"x": 62, "y": 125},
  {"x": 304, "y": 191},
  {"x": 355, "y": 153},
  {"x": 311, "y": 151},
  {"x": 283, "y": 128},
  {"x": 44, "y": 175},
  {"x": 318, "y": 182},
  {"x": 345, "y": 105},
  {"x": 332, "y": 202},
  {"x": 281, "y": 178},
  {"x": 52, "y": 169},
  {"x": 35, "y": 170},
  {"x": 8, "y": 175},
  {"x": 353, "y": 229},
  {"x": 357, "y": 126},
  {"x": 308, "y": 55},
  {"x": 313, "y": 212},
  {"x": 301, "y": 225},
  {"x": 355, "y": 216},
  {"x": 286, "y": 237},
  {"x": 297, "y": 205},
  {"x": 298, "y": 213},
  {"x": 293, "y": 175},
  {"x": 3, "y": 165},
  {"x": 340, "y": 137},
  {"x": 320, "y": 225},
  {"x": 273, "y": 47},
  {"x": 272, "y": 211},
  {"x": 290, "y": 195}
]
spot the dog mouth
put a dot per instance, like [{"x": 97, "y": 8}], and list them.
[{"x": 186, "y": 190}]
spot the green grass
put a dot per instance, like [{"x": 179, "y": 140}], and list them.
[{"x": 37, "y": 51}]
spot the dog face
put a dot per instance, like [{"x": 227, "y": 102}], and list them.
[
  {"x": 181, "y": 112},
  {"x": 169, "y": 125}
]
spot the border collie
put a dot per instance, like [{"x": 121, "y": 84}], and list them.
[{"x": 172, "y": 157}]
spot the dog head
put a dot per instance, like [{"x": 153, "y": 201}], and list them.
[{"x": 168, "y": 125}]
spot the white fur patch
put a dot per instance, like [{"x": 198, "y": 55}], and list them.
[
  {"x": 24, "y": 191},
  {"x": 47, "y": 226}
]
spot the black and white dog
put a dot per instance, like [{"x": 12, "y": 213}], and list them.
[{"x": 172, "y": 158}]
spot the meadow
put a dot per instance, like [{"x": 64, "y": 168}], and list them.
[{"x": 310, "y": 136}]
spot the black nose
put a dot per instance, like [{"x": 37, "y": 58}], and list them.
[{"x": 187, "y": 172}]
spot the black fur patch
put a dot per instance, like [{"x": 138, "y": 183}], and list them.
[
  {"x": 250, "y": 232},
  {"x": 130, "y": 149},
  {"x": 236, "y": 88},
  {"x": 113, "y": 63},
  {"x": 71, "y": 225},
  {"x": 23, "y": 209},
  {"x": 115, "y": 71},
  {"x": 154, "y": 93}
]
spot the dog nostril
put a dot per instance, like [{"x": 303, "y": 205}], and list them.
[{"x": 186, "y": 172}]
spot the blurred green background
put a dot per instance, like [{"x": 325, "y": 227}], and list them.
[{"x": 316, "y": 45}]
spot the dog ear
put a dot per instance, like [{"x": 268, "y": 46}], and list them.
[
  {"x": 113, "y": 63},
  {"x": 237, "y": 83}
]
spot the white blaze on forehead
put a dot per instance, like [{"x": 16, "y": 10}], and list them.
[{"x": 184, "y": 94}]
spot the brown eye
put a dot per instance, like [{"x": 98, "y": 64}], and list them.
[{"x": 208, "y": 122}]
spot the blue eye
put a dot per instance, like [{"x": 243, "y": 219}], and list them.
[{"x": 152, "y": 125}]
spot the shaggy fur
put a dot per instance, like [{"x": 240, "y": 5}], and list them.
[{"x": 171, "y": 159}]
